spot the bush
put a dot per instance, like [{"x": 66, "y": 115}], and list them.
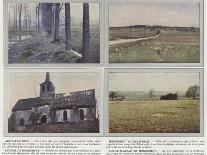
[{"x": 169, "y": 96}]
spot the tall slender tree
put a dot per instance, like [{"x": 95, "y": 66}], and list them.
[
  {"x": 57, "y": 21},
  {"x": 20, "y": 16},
  {"x": 16, "y": 18},
  {"x": 38, "y": 17},
  {"x": 25, "y": 16},
  {"x": 86, "y": 54},
  {"x": 68, "y": 26}
]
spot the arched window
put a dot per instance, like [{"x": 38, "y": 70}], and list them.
[
  {"x": 43, "y": 119},
  {"x": 82, "y": 114},
  {"x": 43, "y": 87},
  {"x": 65, "y": 115},
  {"x": 21, "y": 122},
  {"x": 48, "y": 87}
]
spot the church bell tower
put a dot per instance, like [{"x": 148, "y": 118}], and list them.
[{"x": 47, "y": 89}]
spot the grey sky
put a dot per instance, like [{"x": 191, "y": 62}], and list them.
[
  {"x": 76, "y": 12},
  {"x": 156, "y": 81},
  {"x": 23, "y": 85},
  {"x": 165, "y": 13}
]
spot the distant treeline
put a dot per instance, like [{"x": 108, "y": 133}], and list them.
[
  {"x": 169, "y": 96},
  {"x": 158, "y": 27}
]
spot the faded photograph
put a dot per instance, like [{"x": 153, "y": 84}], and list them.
[
  {"x": 40, "y": 33},
  {"x": 53, "y": 102},
  {"x": 154, "y": 102},
  {"x": 161, "y": 31}
]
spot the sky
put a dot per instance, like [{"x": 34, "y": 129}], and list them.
[
  {"x": 24, "y": 85},
  {"x": 156, "y": 81},
  {"x": 76, "y": 12},
  {"x": 165, "y": 13}
]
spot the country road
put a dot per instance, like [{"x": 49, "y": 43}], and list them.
[{"x": 120, "y": 41}]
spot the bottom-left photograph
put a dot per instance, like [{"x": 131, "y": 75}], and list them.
[{"x": 53, "y": 102}]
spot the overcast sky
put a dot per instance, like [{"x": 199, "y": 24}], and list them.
[
  {"x": 76, "y": 12},
  {"x": 157, "y": 81},
  {"x": 164, "y": 12},
  {"x": 24, "y": 85}
]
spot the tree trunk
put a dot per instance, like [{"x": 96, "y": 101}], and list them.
[
  {"x": 29, "y": 20},
  {"x": 68, "y": 27},
  {"x": 50, "y": 18},
  {"x": 38, "y": 18},
  {"x": 16, "y": 22},
  {"x": 86, "y": 55},
  {"x": 14, "y": 18},
  {"x": 20, "y": 17},
  {"x": 25, "y": 16},
  {"x": 52, "y": 23},
  {"x": 57, "y": 21}
]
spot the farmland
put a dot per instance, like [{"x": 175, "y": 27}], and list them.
[
  {"x": 172, "y": 45},
  {"x": 178, "y": 116}
]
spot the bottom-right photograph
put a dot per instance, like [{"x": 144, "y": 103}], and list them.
[{"x": 155, "y": 100}]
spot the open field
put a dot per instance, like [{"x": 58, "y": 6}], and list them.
[
  {"x": 179, "y": 116},
  {"x": 173, "y": 45}
]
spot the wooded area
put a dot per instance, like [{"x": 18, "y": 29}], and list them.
[{"x": 48, "y": 17}]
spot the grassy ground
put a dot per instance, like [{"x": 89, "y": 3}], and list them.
[
  {"x": 180, "y": 116},
  {"x": 40, "y": 48},
  {"x": 170, "y": 47},
  {"x": 80, "y": 127}
]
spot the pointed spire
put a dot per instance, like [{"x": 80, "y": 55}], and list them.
[{"x": 47, "y": 77}]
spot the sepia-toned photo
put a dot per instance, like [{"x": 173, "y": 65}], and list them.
[
  {"x": 53, "y": 102},
  {"x": 53, "y": 33},
  {"x": 161, "y": 31},
  {"x": 155, "y": 102}
]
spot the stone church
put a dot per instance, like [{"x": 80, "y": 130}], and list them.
[{"x": 50, "y": 107}]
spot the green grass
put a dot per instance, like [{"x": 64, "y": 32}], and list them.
[
  {"x": 155, "y": 51},
  {"x": 180, "y": 116},
  {"x": 172, "y": 46}
]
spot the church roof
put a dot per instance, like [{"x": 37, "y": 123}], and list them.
[{"x": 26, "y": 104}]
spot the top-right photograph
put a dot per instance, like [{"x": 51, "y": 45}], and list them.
[{"x": 154, "y": 32}]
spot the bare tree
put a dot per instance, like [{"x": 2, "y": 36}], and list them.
[
  {"x": 16, "y": 18},
  {"x": 151, "y": 94},
  {"x": 112, "y": 95},
  {"x": 20, "y": 16},
  {"x": 14, "y": 11},
  {"x": 25, "y": 16},
  {"x": 193, "y": 91},
  {"x": 29, "y": 20},
  {"x": 38, "y": 17},
  {"x": 35, "y": 116},
  {"x": 57, "y": 21},
  {"x": 68, "y": 26},
  {"x": 86, "y": 54}
]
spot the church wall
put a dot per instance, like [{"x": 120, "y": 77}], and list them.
[
  {"x": 18, "y": 115},
  {"x": 44, "y": 110},
  {"x": 73, "y": 115},
  {"x": 59, "y": 115},
  {"x": 90, "y": 113}
]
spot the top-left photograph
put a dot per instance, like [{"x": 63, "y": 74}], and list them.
[{"x": 53, "y": 33}]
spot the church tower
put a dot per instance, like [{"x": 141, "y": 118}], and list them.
[{"x": 47, "y": 89}]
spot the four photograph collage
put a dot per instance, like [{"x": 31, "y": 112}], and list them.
[{"x": 103, "y": 68}]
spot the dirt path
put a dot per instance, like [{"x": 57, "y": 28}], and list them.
[{"x": 120, "y": 41}]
